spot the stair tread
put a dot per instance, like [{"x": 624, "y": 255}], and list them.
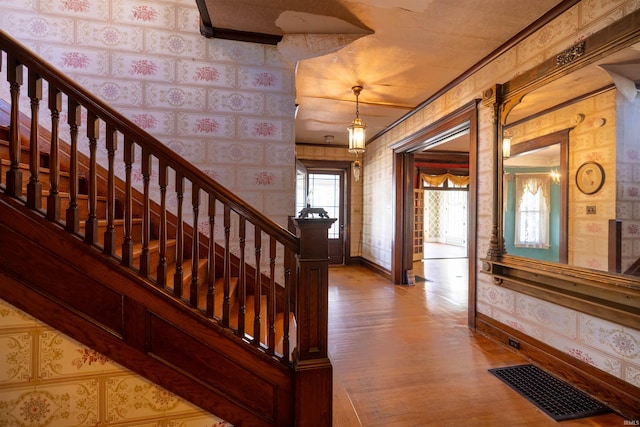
[
  {"x": 25, "y": 166},
  {"x": 117, "y": 222},
  {"x": 65, "y": 194}
]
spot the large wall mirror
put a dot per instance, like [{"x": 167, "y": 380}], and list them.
[
  {"x": 571, "y": 179},
  {"x": 535, "y": 186}
]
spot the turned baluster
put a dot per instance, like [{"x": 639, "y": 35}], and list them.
[
  {"x": 110, "y": 233},
  {"x": 242, "y": 277},
  {"x": 74, "y": 118},
  {"x": 127, "y": 243},
  {"x": 289, "y": 283},
  {"x": 211, "y": 258},
  {"x": 257, "y": 288},
  {"x": 34, "y": 187},
  {"x": 195, "y": 245},
  {"x": 226, "y": 302},
  {"x": 162, "y": 238},
  {"x": 145, "y": 255},
  {"x": 14, "y": 174},
  {"x": 271, "y": 297},
  {"x": 53, "y": 200},
  {"x": 93, "y": 133},
  {"x": 178, "y": 275}
]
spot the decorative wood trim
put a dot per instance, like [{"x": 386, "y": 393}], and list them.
[
  {"x": 621, "y": 34},
  {"x": 619, "y": 395},
  {"x": 241, "y": 36},
  {"x": 399, "y": 242},
  {"x": 465, "y": 114},
  {"x": 614, "y": 298},
  {"x": 372, "y": 266},
  {"x": 472, "y": 251},
  {"x": 50, "y": 298},
  {"x": 209, "y": 31}
]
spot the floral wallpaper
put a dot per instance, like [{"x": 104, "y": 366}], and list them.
[
  {"x": 608, "y": 346},
  {"x": 227, "y": 107},
  {"x": 48, "y": 379}
]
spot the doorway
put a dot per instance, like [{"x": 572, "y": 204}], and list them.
[
  {"x": 326, "y": 188},
  {"x": 460, "y": 125},
  {"x": 445, "y": 224}
]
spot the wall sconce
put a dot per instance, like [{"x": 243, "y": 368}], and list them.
[
  {"x": 357, "y": 136},
  {"x": 328, "y": 139},
  {"x": 555, "y": 176},
  {"x": 356, "y": 170},
  {"x": 506, "y": 147}
]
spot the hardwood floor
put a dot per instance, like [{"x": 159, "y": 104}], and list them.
[{"x": 403, "y": 356}]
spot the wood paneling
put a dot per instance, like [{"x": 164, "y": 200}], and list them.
[{"x": 38, "y": 277}]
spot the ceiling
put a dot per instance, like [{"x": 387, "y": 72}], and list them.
[{"x": 402, "y": 52}]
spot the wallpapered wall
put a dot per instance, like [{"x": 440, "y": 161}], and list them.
[
  {"x": 226, "y": 107},
  {"x": 47, "y": 379},
  {"x": 608, "y": 346}
]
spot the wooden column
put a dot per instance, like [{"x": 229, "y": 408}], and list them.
[{"x": 313, "y": 370}]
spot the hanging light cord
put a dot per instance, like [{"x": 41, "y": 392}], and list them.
[{"x": 356, "y": 90}]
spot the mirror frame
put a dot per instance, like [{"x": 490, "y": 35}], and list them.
[{"x": 610, "y": 296}]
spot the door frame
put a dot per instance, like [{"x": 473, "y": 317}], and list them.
[
  {"x": 344, "y": 167},
  {"x": 403, "y": 186}
]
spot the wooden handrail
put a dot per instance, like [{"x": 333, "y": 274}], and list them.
[{"x": 188, "y": 185}]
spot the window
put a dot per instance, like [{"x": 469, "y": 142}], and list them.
[
  {"x": 532, "y": 211},
  {"x": 324, "y": 192}
]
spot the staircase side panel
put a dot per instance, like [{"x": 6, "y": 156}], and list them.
[{"x": 191, "y": 355}]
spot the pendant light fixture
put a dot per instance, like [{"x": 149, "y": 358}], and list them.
[{"x": 357, "y": 134}]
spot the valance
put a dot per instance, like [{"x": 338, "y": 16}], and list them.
[{"x": 437, "y": 180}]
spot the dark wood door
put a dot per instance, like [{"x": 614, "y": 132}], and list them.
[{"x": 326, "y": 190}]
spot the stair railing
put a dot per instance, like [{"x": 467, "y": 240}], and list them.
[
  {"x": 204, "y": 196},
  {"x": 286, "y": 271}
]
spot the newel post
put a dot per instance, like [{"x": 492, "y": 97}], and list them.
[{"x": 313, "y": 370}]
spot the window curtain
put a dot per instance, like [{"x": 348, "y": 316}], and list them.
[
  {"x": 437, "y": 180},
  {"x": 532, "y": 210}
]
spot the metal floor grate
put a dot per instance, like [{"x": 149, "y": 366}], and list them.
[{"x": 555, "y": 398}]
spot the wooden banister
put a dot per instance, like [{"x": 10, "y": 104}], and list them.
[
  {"x": 285, "y": 276},
  {"x": 313, "y": 370}
]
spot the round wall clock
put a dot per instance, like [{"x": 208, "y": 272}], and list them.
[{"x": 590, "y": 177}]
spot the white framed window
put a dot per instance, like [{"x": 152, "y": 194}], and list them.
[{"x": 532, "y": 210}]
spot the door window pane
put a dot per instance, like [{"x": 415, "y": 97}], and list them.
[{"x": 324, "y": 192}]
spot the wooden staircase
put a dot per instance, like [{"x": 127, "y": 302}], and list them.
[
  {"x": 246, "y": 304},
  {"x": 223, "y": 307}
]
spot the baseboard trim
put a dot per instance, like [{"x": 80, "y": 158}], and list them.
[
  {"x": 357, "y": 260},
  {"x": 619, "y": 395}
]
